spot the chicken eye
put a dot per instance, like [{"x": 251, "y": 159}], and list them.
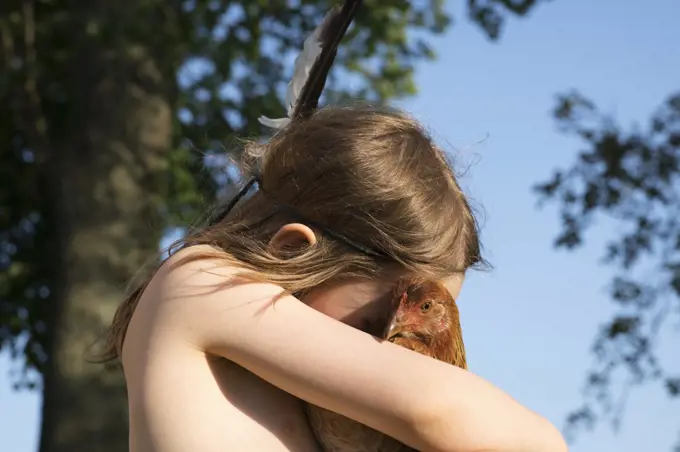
[{"x": 425, "y": 307}]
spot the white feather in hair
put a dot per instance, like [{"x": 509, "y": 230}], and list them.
[{"x": 303, "y": 64}]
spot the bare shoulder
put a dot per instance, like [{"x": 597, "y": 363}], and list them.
[
  {"x": 219, "y": 404},
  {"x": 196, "y": 286},
  {"x": 196, "y": 268},
  {"x": 201, "y": 273}
]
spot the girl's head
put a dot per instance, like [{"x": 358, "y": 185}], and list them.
[{"x": 346, "y": 193}]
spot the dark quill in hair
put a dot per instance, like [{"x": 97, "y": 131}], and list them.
[
  {"x": 309, "y": 78},
  {"x": 314, "y": 63}
]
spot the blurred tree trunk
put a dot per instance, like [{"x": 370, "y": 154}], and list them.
[{"x": 102, "y": 172}]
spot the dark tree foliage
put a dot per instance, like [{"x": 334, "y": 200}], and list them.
[
  {"x": 632, "y": 177},
  {"x": 114, "y": 120}
]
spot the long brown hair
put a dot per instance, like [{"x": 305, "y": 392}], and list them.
[{"x": 372, "y": 175}]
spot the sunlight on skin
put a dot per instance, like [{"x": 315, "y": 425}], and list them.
[{"x": 528, "y": 324}]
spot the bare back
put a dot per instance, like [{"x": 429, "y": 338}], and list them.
[{"x": 182, "y": 399}]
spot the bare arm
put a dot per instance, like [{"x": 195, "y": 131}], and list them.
[{"x": 422, "y": 402}]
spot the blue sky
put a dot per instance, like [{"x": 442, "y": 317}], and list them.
[{"x": 530, "y": 322}]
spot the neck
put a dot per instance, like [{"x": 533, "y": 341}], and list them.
[
  {"x": 447, "y": 346},
  {"x": 457, "y": 346}
]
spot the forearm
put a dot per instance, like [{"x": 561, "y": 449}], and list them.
[{"x": 468, "y": 414}]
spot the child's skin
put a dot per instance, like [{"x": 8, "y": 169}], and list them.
[
  {"x": 215, "y": 361},
  {"x": 184, "y": 397}
]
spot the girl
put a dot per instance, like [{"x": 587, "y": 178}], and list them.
[{"x": 270, "y": 304}]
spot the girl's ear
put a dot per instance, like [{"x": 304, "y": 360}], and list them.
[{"x": 293, "y": 234}]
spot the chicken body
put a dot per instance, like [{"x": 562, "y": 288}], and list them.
[{"x": 426, "y": 321}]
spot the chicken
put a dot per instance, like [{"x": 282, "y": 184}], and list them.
[{"x": 425, "y": 320}]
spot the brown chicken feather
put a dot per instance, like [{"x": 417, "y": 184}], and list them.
[{"x": 426, "y": 321}]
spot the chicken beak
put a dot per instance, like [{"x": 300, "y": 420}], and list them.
[
  {"x": 395, "y": 326},
  {"x": 393, "y": 330}
]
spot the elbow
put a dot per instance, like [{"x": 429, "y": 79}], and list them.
[
  {"x": 553, "y": 441},
  {"x": 535, "y": 434},
  {"x": 541, "y": 435},
  {"x": 532, "y": 434}
]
